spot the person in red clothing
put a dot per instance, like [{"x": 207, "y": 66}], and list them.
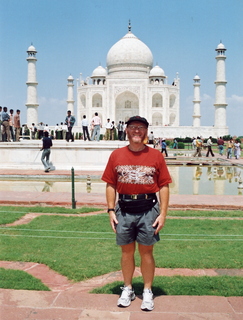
[
  {"x": 137, "y": 172},
  {"x": 220, "y": 143}
]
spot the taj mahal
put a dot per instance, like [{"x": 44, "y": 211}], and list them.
[{"x": 130, "y": 85}]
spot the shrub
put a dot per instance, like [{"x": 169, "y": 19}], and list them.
[
  {"x": 187, "y": 140},
  {"x": 227, "y": 138},
  {"x": 181, "y": 145}
]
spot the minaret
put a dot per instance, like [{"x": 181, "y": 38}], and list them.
[
  {"x": 196, "y": 110},
  {"x": 220, "y": 94},
  {"x": 31, "y": 104},
  {"x": 70, "y": 101}
]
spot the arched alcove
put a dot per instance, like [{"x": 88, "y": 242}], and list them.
[
  {"x": 127, "y": 105},
  {"x": 172, "y": 118},
  {"x": 97, "y": 101},
  {"x": 157, "y": 119},
  {"x": 172, "y": 100},
  {"x": 83, "y": 101},
  {"x": 157, "y": 101}
]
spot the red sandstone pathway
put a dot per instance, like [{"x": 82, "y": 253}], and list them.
[{"x": 69, "y": 301}]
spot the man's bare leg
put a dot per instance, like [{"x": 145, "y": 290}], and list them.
[
  {"x": 147, "y": 265},
  {"x": 128, "y": 263}
]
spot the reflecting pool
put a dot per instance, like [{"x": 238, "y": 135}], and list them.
[
  {"x": 194, "y": 180},
  {"x": 216, "y": 180}
]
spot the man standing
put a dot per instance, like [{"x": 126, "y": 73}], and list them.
[
  {"x": 108, "y": 128},
  {"x": 151, "y": 138},
  {"x": 85, "y": 125},
  {"x": 96, "y": 123},
  {"x": 40, "y": 130},
  {"x": 33, "y": 131},
  {"x": 46, "y": 145},
  {"x": 113, "y": 130},
  {"x": 17, "y": 125},
  {"x": 69, "y": 121},
  {"x": 5, "y": 124},
  {"x": 64, "y": 131},
  {"x": 120, "y": 131},
  {"x": 11, "y": 124},
  {"x": 220, "y": 143},
  {"x": 137, "y": 172}
]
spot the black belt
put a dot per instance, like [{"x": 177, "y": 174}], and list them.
[{"x": 137, "y": 196}]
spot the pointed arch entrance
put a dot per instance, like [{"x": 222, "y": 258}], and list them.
[{"x": 127, "y": 105}]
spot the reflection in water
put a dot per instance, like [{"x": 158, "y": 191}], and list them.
[
  {"x": 214, "y": 180},
  {"x": 217, "y": 180},
  {"x": 88, "y": 184},
  {"x": 47, "y": 186}
]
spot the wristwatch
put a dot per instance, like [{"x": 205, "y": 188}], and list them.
[{"x": 109, "y": 210}]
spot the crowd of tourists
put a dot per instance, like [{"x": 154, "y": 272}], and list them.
[
  {"x": 230, "y": 148},
  {"x": 11, "y": 130}
]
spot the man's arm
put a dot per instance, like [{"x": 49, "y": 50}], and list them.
[
  {"x": 111, "y": 200},
  {"x": 164, "y": 202}
]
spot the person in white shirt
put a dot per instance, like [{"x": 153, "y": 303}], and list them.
[
  {"x": 33, "y": 131},
  {"x": 46, "y": 128},
  {"x": 209, "y": 146},
  {"x": 40, "y": 130},
  {"x": 85, "y": 125},
  {"x": 96, "y": 123},
  {"x": 56, "y": 131},
  {"x": 108, "y": 128},
  {"x": 64, "y": 131}
]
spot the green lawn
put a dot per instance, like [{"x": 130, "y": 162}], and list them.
[
  {"x": 70, "y": 245},
  {"x": 84, "y": 247},
  {"x": 10, "y": 214},
  {"x": 180, "y": 285},
  {"x": 20, "y": 280}
]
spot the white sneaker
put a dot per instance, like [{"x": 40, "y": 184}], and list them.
[
  {"x": 127, "y": 296},
  {"x": 148, "y": 302}
]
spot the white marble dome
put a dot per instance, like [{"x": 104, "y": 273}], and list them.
[
  {"x": 157, "y": 72},
  {"x": 129, "y": 54},
  {"x": 196, "y": 77},
  {"x": 220, "y": 46},
  {"x": 99, "y": 72},
  {"x": 31, "y": 49}
]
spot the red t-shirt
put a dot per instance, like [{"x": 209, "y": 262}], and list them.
[{"x": 136, "y": 172}]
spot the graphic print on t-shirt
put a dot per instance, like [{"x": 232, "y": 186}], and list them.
[{"x": 135, "y": 174}]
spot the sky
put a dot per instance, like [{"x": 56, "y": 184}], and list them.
[{"x": 74, "y": 36}]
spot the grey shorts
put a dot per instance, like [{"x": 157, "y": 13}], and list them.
[{"x": 137, "y": 227}]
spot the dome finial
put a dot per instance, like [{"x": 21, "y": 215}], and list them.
[{"x": 129, "y": 26}]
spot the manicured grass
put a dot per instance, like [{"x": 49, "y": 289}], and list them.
[
  {"x": 20, "y": 280},
  {"x": 179, "y": 285},
  {"x": 207, "y": 213},
  {"x": 10, "y": 214},
  {"x": 84, "y": 247}
]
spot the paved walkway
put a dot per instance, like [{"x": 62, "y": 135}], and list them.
[{"x": 67, "y": 300}]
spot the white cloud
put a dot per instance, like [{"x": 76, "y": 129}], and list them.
[
  {"x": 235, "y": 99},
  {"x": 206, "y": 97}
]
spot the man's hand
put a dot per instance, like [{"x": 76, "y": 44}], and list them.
[
  {"x": 113, "y": 220},
  {"x": 159, "y": 223}
]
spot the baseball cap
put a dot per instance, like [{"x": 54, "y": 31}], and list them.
[{"x": 137, "y": 118}]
